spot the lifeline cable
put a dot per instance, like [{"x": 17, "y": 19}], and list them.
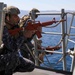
[{"x": 35, "y": 56}]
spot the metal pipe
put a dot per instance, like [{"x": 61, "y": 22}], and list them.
[
  {"x": 2, "y": 16},
  {"x": 48, "y": 13},
  {"x": 63, "y": 42},
  {"x": 53, "y": 33}
]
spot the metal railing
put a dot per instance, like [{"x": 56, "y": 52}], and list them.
[
  {"x": 64, "y": 32},
  {"x": 2, "y": 15}
]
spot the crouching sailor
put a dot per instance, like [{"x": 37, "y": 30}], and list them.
[{"x": 11, "y": 59}]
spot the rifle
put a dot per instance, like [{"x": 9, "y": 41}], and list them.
[{"x": 34, "y": 26}]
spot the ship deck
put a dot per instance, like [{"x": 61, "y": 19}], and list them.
[{"x": 43, "y": 71}]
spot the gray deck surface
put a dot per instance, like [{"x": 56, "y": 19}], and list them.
[{"x": 39, "y": 72}]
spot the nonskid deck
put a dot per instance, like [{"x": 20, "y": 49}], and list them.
[
  {"x": 38, "y": 71},
  {"x": 44, "y": 71}
]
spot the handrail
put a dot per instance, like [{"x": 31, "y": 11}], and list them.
[
  {"x": 62, "y": 14},
  {"x": 48, "y": 13},
  {"x": 64, "y": 33},
  {"x": 2, "y": 5}
]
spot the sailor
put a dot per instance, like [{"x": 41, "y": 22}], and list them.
[
  {"x": 24, "y": 50},
  {"x": 11, "y": 59}
]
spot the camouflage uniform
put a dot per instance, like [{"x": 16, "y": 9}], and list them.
[
  {"x": 11, "y": 59},
  {"x": 23, "y": 22},
  {"x": 24, "y": 50}
]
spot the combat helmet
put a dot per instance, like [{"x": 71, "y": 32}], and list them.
[
  {"x": 33, "y": 12},
  {"x": 11, "y": 10}
]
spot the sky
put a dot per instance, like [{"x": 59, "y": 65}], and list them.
[{"x": 41, "y": 4}]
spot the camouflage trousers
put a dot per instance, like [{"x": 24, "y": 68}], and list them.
[{"x": 13, "y": 62}]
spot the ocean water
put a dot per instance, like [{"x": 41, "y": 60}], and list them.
[{"x": 53, "y": 40}]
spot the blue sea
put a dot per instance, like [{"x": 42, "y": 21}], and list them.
[{"x": 53, "y": 40}]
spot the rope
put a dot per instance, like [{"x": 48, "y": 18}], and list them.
[
  {"x": 29, "y": 50},
  {"x": 33, "y": 55},
  {"x": 61, "y": 58},
  {"x": 63, "y": 36},
  {"x": 47, "y": 59},
  {"x": 67, "y": 53}
]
